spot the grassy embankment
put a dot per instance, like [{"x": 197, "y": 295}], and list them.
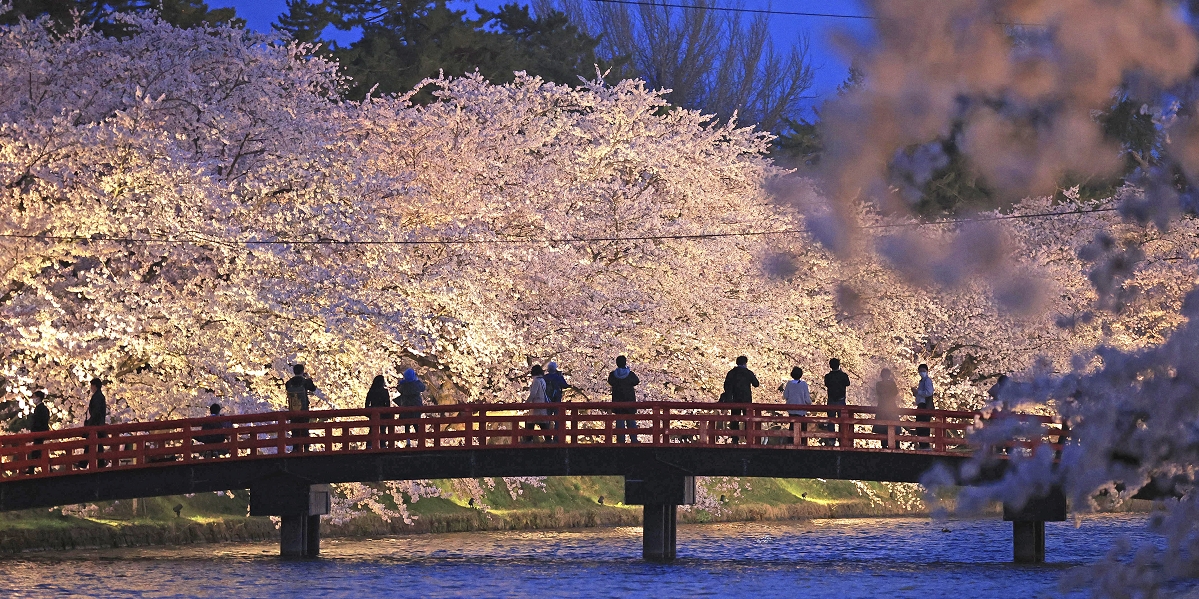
[{"x": 565, "y": 502}]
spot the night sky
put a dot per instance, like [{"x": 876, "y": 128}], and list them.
[{"x": 831, "y": 69}]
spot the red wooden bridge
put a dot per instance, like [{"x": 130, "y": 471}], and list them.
[{"x": 286, "y": 459}]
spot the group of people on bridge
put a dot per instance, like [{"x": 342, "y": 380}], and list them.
[{"x": 548, "y": 386}]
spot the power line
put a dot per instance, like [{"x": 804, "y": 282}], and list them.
[
  {"x": 527, "y": 240},
  {"x": 765, "y": 11},
  {"x": 733, "y": 9}
]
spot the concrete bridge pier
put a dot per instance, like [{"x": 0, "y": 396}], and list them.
[
  {"x": 660, "y": 494},
  {"x": 1028, "y": 525},
  {"x": 299, "y": 505}
]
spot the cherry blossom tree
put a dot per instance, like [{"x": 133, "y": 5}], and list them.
[{"x": 187, "y": 212}]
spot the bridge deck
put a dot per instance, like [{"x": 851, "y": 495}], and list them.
[{"x": 473, "y": 440}]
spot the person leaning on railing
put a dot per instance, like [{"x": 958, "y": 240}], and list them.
[
  {"x": 836, "y": 382},
  {"x": 795, "y": 392},
  {"x": 379, "y": 397},
  {"x": 924, "y": 401},
  {"x": 410, "y": 390},
  {"x": 886, "y": 393},
  {"x": 214, "y": 410},
  {"x": 536, "y": 396},
  {"x": 738, "y": 388},
  {"x": 623, "y": 380}
]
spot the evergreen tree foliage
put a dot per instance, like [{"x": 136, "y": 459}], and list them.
[
  {"x": 406, "y": 41},
  {"x": 180, "y": 13},
  {"x": 304, "y": 21}
]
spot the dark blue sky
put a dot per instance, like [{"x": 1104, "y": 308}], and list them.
[{"x": 831, "y": 69}]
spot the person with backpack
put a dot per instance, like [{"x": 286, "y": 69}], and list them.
[
  {"x": 835, "y": 382},
  {"x": 738, "y": 388},
  {"x": 298, "y": 387},
  {"x": 924, "y": 401},
  {"x": 555, "y": 386},
  {"x": 623, "y": 380},
  {"x": 378, "y": 397},
  {"x": 536, "y": 396},
  {"x": 410, "y": 389}
]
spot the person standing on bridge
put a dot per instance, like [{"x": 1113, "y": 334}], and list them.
[
  {"x": 555, "y": 386},
  {"x": 410, "y": 389},
  {"x": 835, "y": 382},
  {"x": 623, "y": 380},
  {"x": 379, "y": 397},
  {"x": 298, "y": 387},
  {"x": 97, "y": 413},
  {"x": 924, "y": 401},
  {"x": 795, "y": 392},
  {"x": 886, "y": 393},
  {"x": 39, "y": 422},
  {"x": 738, "y": 388},
  {"x": 536, "y": 396},
  {"x": 214, "y": 410}
]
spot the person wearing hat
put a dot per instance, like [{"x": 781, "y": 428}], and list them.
[
  {"x": 97, "y": 414},
  {"x": 410, "y": 389},
  {"x": 623, "y": 380},
  {"x": 555, "y": 385},
  {"x": 39, "y": 422},
  {"x": 536, "y": 395}
]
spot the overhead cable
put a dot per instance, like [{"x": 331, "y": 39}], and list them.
[
  {"x": 767, "y": 11},
  {"x": 530, "y": 240}
]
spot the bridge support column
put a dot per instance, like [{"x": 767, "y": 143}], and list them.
[
  {"x": 299, "y": 505},
  {"x": 1028, "y": 525},
  {"x": 660, "y": 494},
  {"x": 658, "y": 528}
]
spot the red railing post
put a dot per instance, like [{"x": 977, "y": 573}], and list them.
[
  {"x": 93, "y": 449},
  {"x": 281, "y": 431},
  {"x": 846, "y": 429},
  {"x": 374, "y": 430},
  {"x": 233, "y": 449}
]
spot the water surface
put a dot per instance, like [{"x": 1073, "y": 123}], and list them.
[{"x": 878, "y": 557}]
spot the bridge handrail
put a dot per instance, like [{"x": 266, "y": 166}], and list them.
[{"x": 272, "y": 434}]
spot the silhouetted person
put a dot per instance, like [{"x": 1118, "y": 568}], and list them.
[
  {"x": 214, "y": 410},
  {"x": 796, "y": 393},
  {"x": 97, "y": 407},
  {"x": 738, "y": 388},
  {"x": 410, "y": 390},
  {"x": 537, "y": 396},
  {"x": 379, "y": 397},
  {"x": 886, "y": 392},
  {"x": 555, "y": 387},
  {"x": 996, "y": 391},
  {"x": 97, "y": 414},
  {"x": 39, "y": 422},
  {"x": 298, "y": 387},
  {"x": 623, "y": 380},
  {"x": 923, "y": 393},
  {"x": 835, "y": 382}
]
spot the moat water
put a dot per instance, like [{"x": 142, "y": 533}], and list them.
[{"x": 894, "y": 558}]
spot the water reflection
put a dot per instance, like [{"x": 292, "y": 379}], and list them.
[{"x": 895, "y": 558}]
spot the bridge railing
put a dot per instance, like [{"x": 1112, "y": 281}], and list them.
[{"x": 478, "y": 425}]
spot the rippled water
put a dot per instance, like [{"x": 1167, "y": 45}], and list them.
[{"x": 892, "y": 558}]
